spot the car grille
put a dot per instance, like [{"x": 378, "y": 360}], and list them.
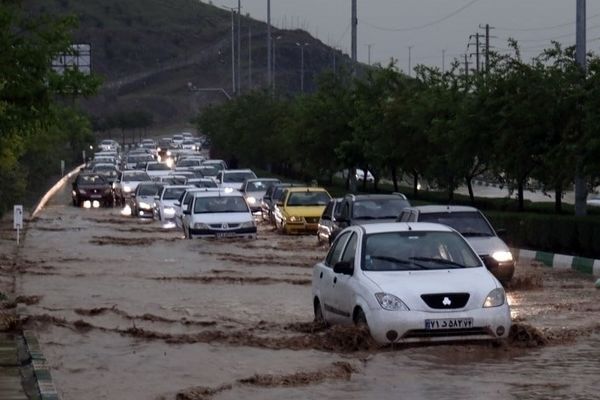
[
  {"x": 446, "y": 301},
  {"x": 229, "y": 226},
  {"x": 311, "y": 220},
  {"x": 436, "y": 333}
]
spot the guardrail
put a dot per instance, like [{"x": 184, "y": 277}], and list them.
[{"x": 58, "y": 186}]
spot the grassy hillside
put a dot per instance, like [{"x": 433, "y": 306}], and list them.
[{"x": 148, "y": 51}]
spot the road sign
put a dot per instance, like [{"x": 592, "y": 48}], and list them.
[
  {"x": 18, "y": 217},
  {"x": 18, "y": 220}
]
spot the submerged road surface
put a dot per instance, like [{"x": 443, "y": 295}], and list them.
[{"x": 126, "y": 310}]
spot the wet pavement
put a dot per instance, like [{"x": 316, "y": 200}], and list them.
[{"x": 126, "y": 310}]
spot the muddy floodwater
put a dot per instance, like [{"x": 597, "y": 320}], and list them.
[{"x": 127, "y": 310}]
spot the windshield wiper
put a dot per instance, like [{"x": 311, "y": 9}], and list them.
[
  {"x": 439, "y": 260},
  {"x": 471, "y": 233},
  {"x": 399, "y": 261},
  {"x": 366, "y": 217}
]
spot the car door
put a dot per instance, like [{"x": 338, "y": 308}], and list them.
[
  {"x": 324, "y": 227},
  {"x": 343, "y": 291},
  {"x": 326, "y": 279}
]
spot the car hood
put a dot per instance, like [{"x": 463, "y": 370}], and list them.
[
  {"x": 145, "y": 199},
  {"x": 304, "y": 211},
  {"x": 410, "y": 285},
  {"x": 487, "y": 245},
  {"x": 104, "y": 186},
  {"x": 359, "y": 221}
]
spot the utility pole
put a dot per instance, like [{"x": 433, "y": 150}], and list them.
[
  {"x": 580, "y": 58},
  {"x": 487, "y": 28},
  {"x": 269, "y": 46},
  {"x": 334, "y": 67},
  {"x": 239, "y": 47},
  {"x": 369, "y": 53},
  {"x": 467, "y": 66},
  {"x": 443, "y": 60},
  {"x": 354, "y": 24},
  {"x": 410, "y": 60},
  {"x": 233, "y": 87},
  {"x": 249, "y": 56},
  {"x": 302, "y": 46},
  {"x": 477, "y": 52}
]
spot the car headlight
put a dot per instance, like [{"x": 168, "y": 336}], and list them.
[
  {"x": 145, "y": 205},
  {"x": 168, "y": 153},
  {"x": 494, "y": 299},
  {"x": 249, "y": 224},
  {"x": 251, "y": 200},
  {"x": 390, "y": 302},
  {"x": 201, "y": 226},
  {"x": 127, "y": 189},
  {"x": 502, "y": 256},
  {"x": 293, "y": 218},
  {"x": 74, "y": 193},
  {"x": 169, "y": 211}
]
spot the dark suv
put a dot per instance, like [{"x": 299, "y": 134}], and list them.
[{"x": 367, "y": 209}]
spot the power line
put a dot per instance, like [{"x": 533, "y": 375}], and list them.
[
  {"x": 544, "y": 28},
  {"x": 427, "y": 25}
]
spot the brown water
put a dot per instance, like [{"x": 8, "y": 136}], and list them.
[{"x": 127, "y": 310}]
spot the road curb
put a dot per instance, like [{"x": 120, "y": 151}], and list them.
[
  {"x": 61, "y": 182},
  {"x": 41, "y": 369},
  {"x": 559, "y": 261}
]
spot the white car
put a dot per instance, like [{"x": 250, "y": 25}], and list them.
[
  {"x": 255, "y": 189},
  {"x": 108, "y": 145},
  {"x": 164, "y": 202},
  {"x": 127, "y": 183},
  {"x": 409, "y": 282},
  {"x": 218, "y": 213},
  {"x": 177, "y": 139},
  {"x": 155, "y": 169},
  {"x": 234, "y": 178}
]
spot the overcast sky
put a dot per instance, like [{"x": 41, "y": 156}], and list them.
[{"x": 391, "y": 26}]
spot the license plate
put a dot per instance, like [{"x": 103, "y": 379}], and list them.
[
  {"x": 225, "y": 234},
  {"x": 96, "y": 196},
  {"x": 449, "y": 323}
]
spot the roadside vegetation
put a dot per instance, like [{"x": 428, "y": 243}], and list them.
[
  {"x": 521, "y": 125},
  {"x": 39, "y": 124}
]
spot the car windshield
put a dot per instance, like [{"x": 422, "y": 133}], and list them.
[
  {"x": 83, "y": 180},
  {"x": 188, "y": 163},
  {"x": 135, "y": 177},
  {"x": 308, "y": 198},
  {"x": 158, "y": 167},
  {"x": 224, "y": 204},
  {"x": 174, "y": 180},
  {"x": 237, "y": 177},
  {"x": 173, "y": 193},
  {"x": 148, "y": 190},
  {"x": 468, "y": 223},
  {"x": 409, "y": 251},
  {"x": 259, "y": 186},
  {"x": 177, "y": 137},
  {"x": 379, "y": 208},
  {"x": 208, "y": 170},
  {"x": 104, "y": 168}
]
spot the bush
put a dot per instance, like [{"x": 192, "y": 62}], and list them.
[{"x": 561, "y": 234}]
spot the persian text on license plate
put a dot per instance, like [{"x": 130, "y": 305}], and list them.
[
  {"x": 449, "y": 323},
  {"x": 225, "y": 234}
]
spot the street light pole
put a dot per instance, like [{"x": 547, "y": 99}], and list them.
[
  {"x": 409, "y": 60},
  {"x": 239, "y": 47},
  {"x": 301, "y": 45},
  {"x": 269, "y": 47}
]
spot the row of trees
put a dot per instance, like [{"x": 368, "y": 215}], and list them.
[
  {"x": 38, "y": 124},
  {"x": 517, "y": 122}
]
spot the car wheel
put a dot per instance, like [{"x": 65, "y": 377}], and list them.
[
  {"x": 319, "y": 318},
  {"x": 189, "y": 234},
  {"x": 360, "y": 319}
]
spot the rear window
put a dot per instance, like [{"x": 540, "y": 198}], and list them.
[
  {"x": 173, "y": 193},
  {"x": 148, "y": 190},
  {"x": 90, "y": 180},
  {"x": 158, "y": 167},
  {"x": 135, "y": 177},
  {"x": 468, "y": 223},
  {"x": 259, "y": 186},
  {"x": 237, "y": 177}
]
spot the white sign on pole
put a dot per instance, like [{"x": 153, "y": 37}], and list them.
[
  {"x": 62, "y": 167},
  {"x": 18, "y": 220}
]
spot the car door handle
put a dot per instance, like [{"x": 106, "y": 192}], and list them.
[
  {"x": 321, "y": 276},
  {"x": 335, "y": 280}
]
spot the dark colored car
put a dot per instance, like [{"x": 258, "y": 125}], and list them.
[
  {"x": 92, "y": 187},
  {"x": 328, "y": 219},
  {"x": 269, "y": 200},
  {"x": 367, "y": 209}
]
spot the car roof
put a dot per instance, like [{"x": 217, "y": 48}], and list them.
[
  {"x": 226, "y": 171},
  {"x": 405, "y": 227},
  {"x": 375, "y": 196},
  {"x": 443, "y": 209},
  {"x": 295, "y": 189},
  {"x": 210, "y": 192}
]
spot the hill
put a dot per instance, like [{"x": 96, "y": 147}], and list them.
[{"x": 150, "y": 52}]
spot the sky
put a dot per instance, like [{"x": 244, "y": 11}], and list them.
[{"x": 430, "y": 28}]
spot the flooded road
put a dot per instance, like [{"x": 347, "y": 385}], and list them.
[{"x": 126, "y": 310}]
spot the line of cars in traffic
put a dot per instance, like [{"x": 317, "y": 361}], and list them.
[{"x": 427, "y": 273}]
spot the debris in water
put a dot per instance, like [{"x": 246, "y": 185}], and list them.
[
  {"x": 28, "y": 300},
  {"x": 524, "y": 335},
  {"x": 338, "y": 370}
]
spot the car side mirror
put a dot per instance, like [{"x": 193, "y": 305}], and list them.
[
  {"x": 156, "y": 197},
  {"x": 187, "y": 212},
  {"x": 177, "y": 204},
  {"x": 343, "y": 267},
  {"x": 501, "y": 232},
  {"x": 133, "y": 195}
]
